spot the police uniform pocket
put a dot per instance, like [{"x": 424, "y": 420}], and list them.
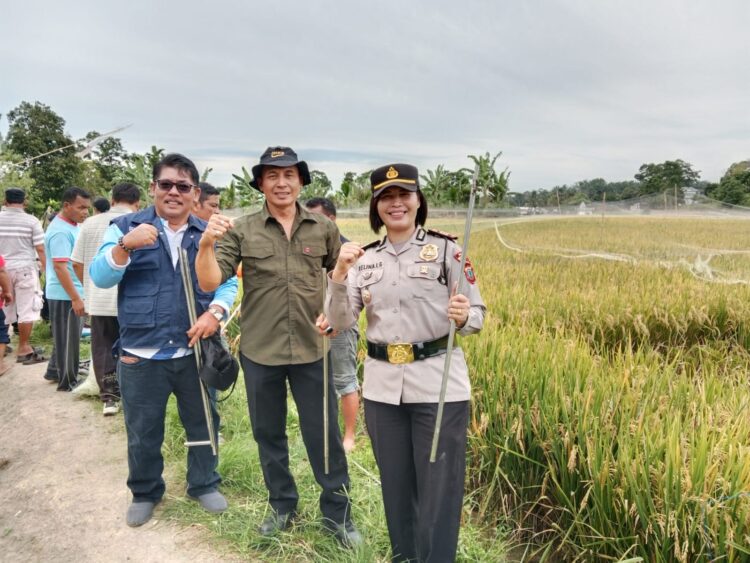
[
  {"x": 369, "y": 288},
  {"x": 423, "y": 281},
  {"x": 369, "y": 277}
]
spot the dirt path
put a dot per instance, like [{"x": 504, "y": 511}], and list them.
[{"x": 63, "y": 497}]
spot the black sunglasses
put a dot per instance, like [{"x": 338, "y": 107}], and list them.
[{"x": 167, "y": 185}]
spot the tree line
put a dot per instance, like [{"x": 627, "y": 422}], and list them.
[{"x": 37, "y": 154}]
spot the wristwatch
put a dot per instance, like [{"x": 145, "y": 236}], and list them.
[{"x": 218, "y": 315}]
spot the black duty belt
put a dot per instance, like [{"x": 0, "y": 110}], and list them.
[{"x": 404, "y": 352}]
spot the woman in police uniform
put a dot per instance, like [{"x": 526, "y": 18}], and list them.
[{"x": 407, "y": 285}]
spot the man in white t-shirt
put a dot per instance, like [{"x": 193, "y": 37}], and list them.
[
  {"x": 101, "y": 304},
  {"x": 22, "y": 242}
]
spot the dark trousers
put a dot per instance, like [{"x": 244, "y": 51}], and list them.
[
  {"x": 266, "y": 398},
  {"x": 422, "y": 500},
  {"x": 104, "y": 333},
  {"x": 66, "y": 340},
  {"x": 145, "y": 387}
]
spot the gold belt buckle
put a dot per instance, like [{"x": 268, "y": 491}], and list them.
[{"x": 400, "y": 353}]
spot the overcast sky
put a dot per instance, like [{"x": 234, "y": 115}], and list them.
[{"x": 568, "y": 90}]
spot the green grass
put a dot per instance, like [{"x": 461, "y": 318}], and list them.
[{"x": 307, "y": 540}]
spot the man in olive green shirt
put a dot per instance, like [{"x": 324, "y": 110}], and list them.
[{"x": 283, "y": 249}]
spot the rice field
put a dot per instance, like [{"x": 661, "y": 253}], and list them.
[
  {"x": 610, "y": 412},
  {"x": 610, "y": 404}
]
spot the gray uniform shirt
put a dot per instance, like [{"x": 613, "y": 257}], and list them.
[{"x": 406, "y": 300}]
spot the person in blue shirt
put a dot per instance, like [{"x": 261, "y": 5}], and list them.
[
  {"x": 64, "y": 290},
  {"x": 139, "y": 253}
]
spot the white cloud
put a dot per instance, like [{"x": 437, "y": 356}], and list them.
[{"x": 567, "y": 90}]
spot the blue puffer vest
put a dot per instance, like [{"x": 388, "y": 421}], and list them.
[{"x": 151, "y": 306}]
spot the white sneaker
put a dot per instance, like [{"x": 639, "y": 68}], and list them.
[{"x": 111, "y": 408}]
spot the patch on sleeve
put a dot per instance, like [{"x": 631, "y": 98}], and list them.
[{"x": 471, "y": 277}]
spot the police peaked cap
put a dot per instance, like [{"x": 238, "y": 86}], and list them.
[{"x": 402, "y": 175}]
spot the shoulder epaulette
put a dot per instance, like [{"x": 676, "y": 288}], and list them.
[
  {"x": 373, "y": 244},
  {"x": 442, "y": 234}
]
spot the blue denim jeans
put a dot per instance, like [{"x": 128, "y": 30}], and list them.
[{"x": 145, "y": 387}]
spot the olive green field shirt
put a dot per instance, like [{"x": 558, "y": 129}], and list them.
[{"x": 282, "y": 281}]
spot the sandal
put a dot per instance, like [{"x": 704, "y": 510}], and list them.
[
  {"x": 26, "y": 357},
  {"x": 35, "y": 357}
]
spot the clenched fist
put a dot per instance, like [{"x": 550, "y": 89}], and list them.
[
  {"x": 143, "y": 235},
  {"x": 217, "y": 227},
  {"x": 348, "y": 255}
]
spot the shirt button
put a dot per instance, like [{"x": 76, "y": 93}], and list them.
[
  {"x": 171, "y": 341},
  {"x": 394, "y": 283},
  {"x": 395, "y": 310}
]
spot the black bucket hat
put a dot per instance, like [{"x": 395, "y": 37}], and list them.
[
  {"x": 281, "y": 157},
  {"x": 403, "y": 175}
]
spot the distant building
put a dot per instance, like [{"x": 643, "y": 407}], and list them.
[{"x": 690, "y": 194}]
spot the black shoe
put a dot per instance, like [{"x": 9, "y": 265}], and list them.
[
  {"x": 346, "y": 534},
  {"x": 52, "y": 378},
  {"x": 276, "y": 522}
]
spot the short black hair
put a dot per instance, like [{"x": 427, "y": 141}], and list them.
[
  {"x": 376, "y": 222},
  {"x": 178, "y": 161},
  {"x": 206, "y": 191},
  {"x": 328, "y": 206},
  {"x": 15, "y": 195},
  {"x": 126, "y": 193},
  {"x": 101, "y": 204},
  {"x": 73, "y": 192}
]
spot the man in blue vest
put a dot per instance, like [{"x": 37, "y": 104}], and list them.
[{"x": 140, "y": 253}]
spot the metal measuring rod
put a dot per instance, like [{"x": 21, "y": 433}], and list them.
[{"x": 187, "y": 283}]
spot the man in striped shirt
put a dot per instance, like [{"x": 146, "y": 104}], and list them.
[
  {"x": 101, "y": 304},
  {"x": 22, "y": 241}
]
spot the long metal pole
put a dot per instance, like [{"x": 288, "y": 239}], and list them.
[
  {"x": 187, "y": 283},
  {"x": 452, "y": 331},
  {"x": 325, "y": 383}
]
